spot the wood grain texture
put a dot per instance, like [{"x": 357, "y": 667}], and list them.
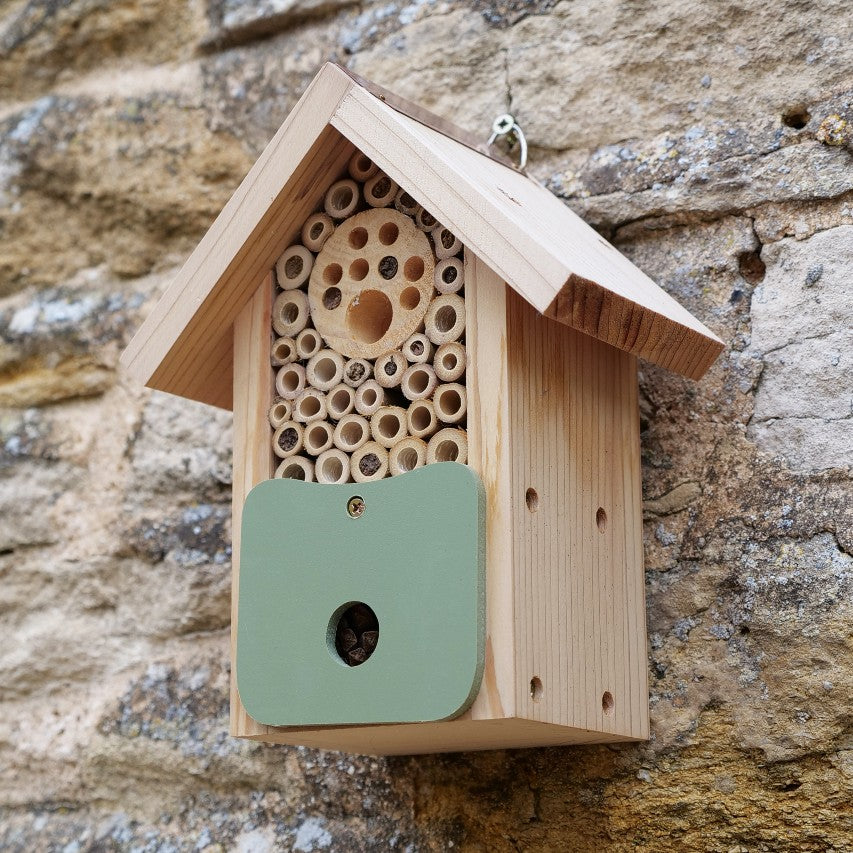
[
  {"x": 253, "y": 458},
  {"x": 525, "y": 233},
  {"x": 522, "y": 231},
  {"x": 578, "y": 574},
  {"x": 185, "y": 344}
]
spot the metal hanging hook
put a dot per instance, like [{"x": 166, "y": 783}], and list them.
[{"x": 506, "y": 127}]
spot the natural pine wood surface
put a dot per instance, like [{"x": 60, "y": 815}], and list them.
[
  {"x": 576, "y": 518},
  {"x": 519, "y": 229},
  {"x": 253, "y": 462}
]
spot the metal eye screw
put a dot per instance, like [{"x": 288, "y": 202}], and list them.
[{"x": 506, "y": 126}]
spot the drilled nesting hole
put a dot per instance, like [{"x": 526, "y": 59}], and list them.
[
  {"x": 388, "y": 234},
  {"x": 410, "y": 298},
  {"x": 358, "y": 269},
  {"x": 353, "y": 633},
  {"x": 358, "y": 238},
  {"x": 333, "y": 273},
  {"x": 331, "y": 298},
  {"x": 369, "y": 316},
  {"x": 414, "y": 268},
  {"x": 536, "y": 688},
  {"x": 388, "y": 267}
]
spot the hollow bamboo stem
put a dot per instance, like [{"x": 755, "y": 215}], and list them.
[
  {"x": 280, "y": 411},
  {"x": 287, "y": 439},
  {"x": 445, "y": 319},
  {"x": 447, "y": 244},
  {"x": 341, "y": 199},
  {"x": 293, "y": 268},
  {"x": 357, "y": 371},
  {"x": 296, "y": 468},
  {"x": 290, "y": 380},
  {"x": 325, "y": 369},
  {"x": 421, "y": 419},
  {"x": 406, "y": 204},
  {"x": 417, "y": 349},
  {"x": 369, "y": 396},
  {"x": 340, "y": 401},
  {"x": 290, "y": 313},
  {"x": 451, "y": 402},
  {"x": 449, "y": 275},
  {"x": 369, "y": 463},
  {"x": 308, "y": 343},
  {"x": 406, "y": 455},
  {"x": 389, "y": 369},
  {"x": 332, "y": 466},
  {"x": 361, "y": 167},
  {"x": 388, "y": 425},
  {"x": 449, "y": 361},
  {"x": 379, "y": 191},
  {"x": 316, "y": 230},
  {"x": 310, "y": 406},
  {"x": 351, "y": 433},
  {"x": 448, "y": 445},
  {"x": 317, "y": 437},
  {"x": 419, "y": 382}
]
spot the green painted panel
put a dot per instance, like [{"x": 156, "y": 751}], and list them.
[{"x": 415, "y": 556}]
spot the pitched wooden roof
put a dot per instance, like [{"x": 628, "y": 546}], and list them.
[{"x": 521, "y": 230}]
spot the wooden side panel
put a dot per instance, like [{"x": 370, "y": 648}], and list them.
[
  {"x": 578, "y": 562},
  {"x": 489, "y": 456},
  {"x": 253, "y": 393}
]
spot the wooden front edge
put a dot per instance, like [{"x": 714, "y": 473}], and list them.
[
  {"x": 253, "y": 394},
  {"x": 590, "y": 308},
  {"x": 489, "y": 456}
]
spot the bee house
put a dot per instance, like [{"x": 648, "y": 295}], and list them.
[{"x": 432, "y": 365}]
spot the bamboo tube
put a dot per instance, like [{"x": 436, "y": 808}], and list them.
[
  {"x": 332, "y": 466},
  {"x": 425, "y": 220},
  {"x": 421, "y": 419},
  {"x": 388, "y": 425},
  {"x": 341, "y": 199},
  {"x": 308, "y": 343},
  {"x": 325, "y": 369},
  {"x": 290, "y": 380},
  {"x": 406, "y": 204},
  {"x": 317, "y": 229},
  {"x": 280, "y": 411},
  {"x": 447, "y": 244},
  {"x": 287, "y": 439},
  {"x": 450, "y": 402},
  {"x": 369, "y": 462},
  {"x": 449, "y": 275},
  {"x": 283, "y": 351},
  {"x": 340, "y": 401},
  {"x": 317, "y": 437},
  {"x": 419, "y": 382},
  {"x": 351, "y": 432},
  {"x": 445, "y": 318},
  {"x": 406, "y": 455},
  {"x": 290, "y": 313},
  {"x": 389, "y": 369},
  {"x": 356, "y": 371},
  {"x": 310, "y": 406},
  {"x": 417, "y": 349},
  {"x": 369, "y": 396},
  {"x": 448, "y": 445},
  {"x": 296, "y": 468},
  {"x": 293, "y": 268},
  {"x": 449, "y": 361},
  {"x": 379, "y": 191},
  {"x": 361, "y": 167}
]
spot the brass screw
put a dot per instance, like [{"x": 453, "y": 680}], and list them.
[{"x": 356, "y": 507}]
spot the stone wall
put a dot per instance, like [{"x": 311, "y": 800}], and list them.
[{"x": 711, "y": 142}]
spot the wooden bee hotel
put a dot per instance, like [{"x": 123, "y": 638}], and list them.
[{"x": 432, "y": 365}]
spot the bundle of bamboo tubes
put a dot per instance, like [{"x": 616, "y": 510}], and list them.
[{"x": 340, "y": 415}]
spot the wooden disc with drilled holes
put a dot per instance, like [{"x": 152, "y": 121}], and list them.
[{"x": 371, "y": 284}]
